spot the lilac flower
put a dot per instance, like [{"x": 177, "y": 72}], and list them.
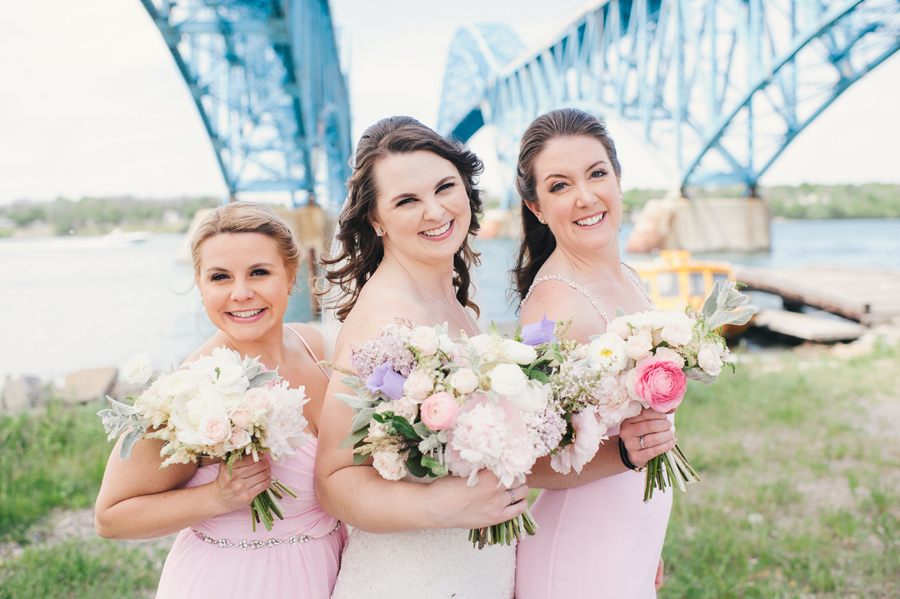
[
  {"x": 538, "y": 332},
  {"x": 385, "y": 380}
]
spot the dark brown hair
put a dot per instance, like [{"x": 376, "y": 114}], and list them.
[
  {"x": 537, "y": 241},
  {"x": 361, "y": 250},
  {"x": 248, "y": 217}
]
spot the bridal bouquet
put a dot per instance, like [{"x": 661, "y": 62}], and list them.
[
  {"x": 219, "y": 406},
  {"x": 643, "y": 360},
  {"x": 430, "y": 406}
]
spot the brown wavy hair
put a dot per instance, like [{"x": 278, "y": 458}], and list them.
[
  {"x": 248, "y": 217},
  {"x": 537, "y": 241},
  {"x": 361, "y": 250}
]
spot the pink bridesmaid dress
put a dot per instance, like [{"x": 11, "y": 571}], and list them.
[
  {"x": 599, "y": 540},
  {"x": 222, "y": 557}
]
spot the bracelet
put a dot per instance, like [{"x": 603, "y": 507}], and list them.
[{"x": 625, "y": 460}]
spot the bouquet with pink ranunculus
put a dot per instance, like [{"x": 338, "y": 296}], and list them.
[
  {"x": 219, "y": 406},
  {"x": 642, "y": 360},
  {"x": 431, "y": 406}
]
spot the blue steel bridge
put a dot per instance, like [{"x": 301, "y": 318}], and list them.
[{"x": 718, "y": 88}]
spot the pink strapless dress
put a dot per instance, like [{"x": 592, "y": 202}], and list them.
[
  {"x": 199, "y": 568},
  {"x": 599, "y": 540}
]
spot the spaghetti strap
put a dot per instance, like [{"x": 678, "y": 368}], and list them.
[
  {"x": 586, "y": 293},
  {"x": 308, "y": 348}
]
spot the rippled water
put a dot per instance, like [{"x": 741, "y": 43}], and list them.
[{"x": 73, "y": 303}]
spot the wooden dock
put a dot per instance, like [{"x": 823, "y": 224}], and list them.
[{"x": 868, "y": 296}]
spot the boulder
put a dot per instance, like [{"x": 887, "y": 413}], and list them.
[
  {"x": 87, "y": 385},
  {"x": 22, "y": 393}
]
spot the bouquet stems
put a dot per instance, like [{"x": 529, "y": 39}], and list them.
[
  {"x": 670, "y": 469},
  {"x": 265, "y": 506},
  {"x": 518, "y": 528}
]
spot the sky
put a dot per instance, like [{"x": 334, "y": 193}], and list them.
[{"x": 91, "y": 102}]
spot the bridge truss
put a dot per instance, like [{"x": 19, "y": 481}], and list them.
[
  {"x": 721, "y": 87},
  {"x": 265, "y": 76}
]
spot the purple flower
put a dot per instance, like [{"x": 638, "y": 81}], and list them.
[
  {"x": 539, "y": 332},
  {"x": 385, "y": 380}
]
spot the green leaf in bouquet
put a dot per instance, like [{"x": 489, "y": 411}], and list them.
[
  {"x": 537, "y": 375},
  {"x": 353, "y": 438},
  {"x": 360, "y": 458},
  {"x": 414, "y": 464},
  {"x": 620, "y": 312},
  {"x": 421, "y": 429},
  {"x": 361, "y": 420},
  {"x": 382, "y": 417},
  {"x": 354, "y": 401},
  {"x": 402, "y": 426},
  {"x": 263, "y": 378},
  {"x": 437, "y": 469},
  {"x": 698, "y": 374}
]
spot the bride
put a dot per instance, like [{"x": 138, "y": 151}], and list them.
[{"x": 404, "y": 253}]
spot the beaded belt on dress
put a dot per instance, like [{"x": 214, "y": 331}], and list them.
[{"x": 266, "y": 544}]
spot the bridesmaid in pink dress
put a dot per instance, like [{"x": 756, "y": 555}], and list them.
[
  {"x": 596, "y": 538},
  {"x": 245, "y": 264}
]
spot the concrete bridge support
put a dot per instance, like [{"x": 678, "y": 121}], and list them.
[{"x": 707, "y": 225}]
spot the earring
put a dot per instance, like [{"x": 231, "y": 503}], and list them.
[
  {"x": 541, "y": 220},
  {"x": 379, "y": 231},
  {"x": 202, "y": 300},
  {"x": 291, "y": 291}
]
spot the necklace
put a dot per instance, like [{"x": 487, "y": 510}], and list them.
[{"x": 469, "y": 321}]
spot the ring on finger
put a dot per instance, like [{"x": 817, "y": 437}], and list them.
[
  {"x": 512, "y": 496},
  {"x": 641, "y": 441}
]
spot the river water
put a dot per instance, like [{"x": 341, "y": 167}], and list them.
[{"x": 82, "y": 302}]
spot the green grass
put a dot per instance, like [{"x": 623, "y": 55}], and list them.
[
  {"x": 74, "y": 570},
  {"x": 52, "y": 459},
  {"x": 800, "y": 496}
]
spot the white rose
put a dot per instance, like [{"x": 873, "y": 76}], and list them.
[
  {"x": 607, "y": 352},
  {"x": 139, "y": 369},
  {"x": 425, "y": 340},
  {"x": 508, "y": 379},
  {"x": 534, "y": 398},
  {"x": 667, "y": 353},
  {"x": 639, "y": 345},
  {"x": 407, "y": 408},
  {"x": 464, "y": 381},
  {"x": 389, "y": 465},
  {"x": 418, "y": 385},
  {"x": 678, "y": 329},
  {"x": 709, "y": 360},
  {"x": 519, "y": 353}
]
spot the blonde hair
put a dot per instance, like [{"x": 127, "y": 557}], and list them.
[{"x": 248, "y": 217}]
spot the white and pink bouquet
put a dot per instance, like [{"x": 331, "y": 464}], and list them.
[
  {"x": 430, "y": 406},
  {"x": 643, "y": 360},
  {"x": 219, "y": 406}
]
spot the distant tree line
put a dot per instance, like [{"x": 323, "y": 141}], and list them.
[
  {"x": 100, "y": 215},
  {"x": 807, "y": 201}
]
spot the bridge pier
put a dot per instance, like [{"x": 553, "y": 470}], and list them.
[{"x": 707, "y": 225}]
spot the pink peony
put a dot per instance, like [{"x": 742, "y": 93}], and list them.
[
  {"x": 439, "y": 411},
  {"x": 660, "y": 383}
]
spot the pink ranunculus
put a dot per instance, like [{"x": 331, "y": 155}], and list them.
[
  {"x": 439, "y": 411},
  {"x": 660, "y": 383}
]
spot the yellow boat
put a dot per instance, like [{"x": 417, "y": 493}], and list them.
[{"x": 674, "y": 281}]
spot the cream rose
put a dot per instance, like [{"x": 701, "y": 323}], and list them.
[
  {"x": 508, "y": 379},
  {"x": 425, "y": 340},
  {"x": 139, "y": 369},
  {"x": 519, "y": 352},
  {"x": 418, "y": 385},
  {"x": 389, "y": 465},
  {"x": 709, "y": 360},
  {"x": 464, "y": 381}
]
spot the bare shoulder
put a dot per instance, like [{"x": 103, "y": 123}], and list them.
[
  {"x": 312, "y": 335},
  {"x": 371, "y": 314},
  {"x": 559, "y": 301}
]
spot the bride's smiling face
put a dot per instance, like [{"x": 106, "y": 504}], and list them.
[{"x": 422, "y": 206}]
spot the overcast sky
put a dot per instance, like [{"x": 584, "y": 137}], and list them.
[{"x": 91, "y": 102}]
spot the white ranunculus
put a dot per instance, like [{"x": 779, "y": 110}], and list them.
[
  {"x": 418, "y": 385},
  {"x": 139, "y": 369},
  {"x": 533, "y": 398},
  {"x": 639, "y": 345},
  {"x": 667, "y": 353},
  {"x": 425, "y": 340},
  {"x": 508, "y": 379},
  {"x": 464, "y": 381},
  {"x": 678, "y": 329},
  {"x": 607, "y": 353},
  {"x": 709, "y": 359},
  {"x": 519, "y": 353},
  {"x": 620, "y": 327}
]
